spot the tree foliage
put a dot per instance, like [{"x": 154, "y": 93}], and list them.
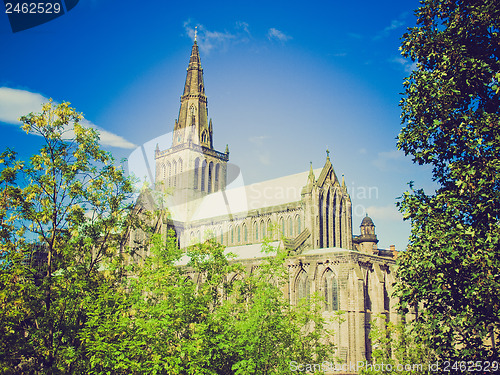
[
  {"x": 397, "y": 348},
  {"x": 76, "y": 298},
  {"x": 450, "y": 114},
  {"x": 164, "y": 322},
  {"x": 63, "y": 214}
]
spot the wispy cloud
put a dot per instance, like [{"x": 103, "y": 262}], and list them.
[
  {"x": 395, "y": 24},
  {"x": 15, "y": 103},
  {"x": 277, "y": 35},
  {"x": 243, "y": 26},
  {"x": 407, "y": 65},
  {"x": 209, "y": 40}
]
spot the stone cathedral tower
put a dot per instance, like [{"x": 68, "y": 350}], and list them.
[{"x": 192, "y": 168}]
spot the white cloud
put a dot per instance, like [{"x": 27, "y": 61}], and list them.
[
  {"x": 278, "y": 35},
  {"x": 108, "y": 138},
  {"x": 243, "y": 26},
  {"x": 208, "y": 40},
  {"x": 15, "y": 103},
  {"x": 389, "y": 212},
  {"x": 407, "y": 65},
  {"x": 395, "y": 24}
]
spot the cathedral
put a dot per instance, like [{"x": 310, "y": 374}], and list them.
[{"x": 308, "y": 213}]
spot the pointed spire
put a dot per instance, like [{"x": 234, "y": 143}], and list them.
[
  {"x": 194, "y": 78},
  {"x": 327, "y": 154},
  {"x": 311, "y": 176},
  {"x": 344, "y": 187},
  {"x": 195, "y": 33},
  {"x": 227, "y": 149}
]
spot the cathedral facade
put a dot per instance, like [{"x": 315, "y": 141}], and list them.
[{"x": 308, "y": 213}]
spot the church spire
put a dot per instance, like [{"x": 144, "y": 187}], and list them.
[{"x": 192, "y": 124}]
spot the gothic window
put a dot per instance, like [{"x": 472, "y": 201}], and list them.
[
  {"x": 302, "y": 286},
  {"x": 210, "y": 169},
  {"x": 196, "y": 168},
  {"x": 180, "y": 172},
  {"x": 330, "y": 290},
  {"x": 193, "y": 116},
  {"x": 262, "y": 229},
  {"x": 203, "y": 171},
  {"x": 162, "y": 172},
  {"x": 232, "y": 235},
  {"x": 217, "y": 172},
  {"x": 221, "y": 236},
  {"x": 299, "y": 228},
  {"x": 368, "y": 300},
  {"x": 204, "y": 137},
  {"x": 169, "y": 176},
  {"x": 174, "y": 176},
  {"x": 245, "y": 233},
  {"x": 239, "y": 234},
  {"x": 282, "y": 226},
  {"x": 290, "y": 223},
  {"x": 256, "y": 226},
  {"x": 269, "y": 229}
]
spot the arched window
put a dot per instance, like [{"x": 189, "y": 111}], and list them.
[
  {"x": 232, "y": 235},
  {"x": 221, "y": 236},
  {"x": 282, "y": 226},
  {"x": 210, "y": 169},
  {"x": 302, "y": 286},
  {"x": 180, "y": 179},
  {"x": 203, "y": 171},
  {"x": 330, "y": 290},
  {"x": 269, "y": 229},
  {"x": 174, "y": 175},
  {"x": 262, "y": 229},
  {"x": 196, "y": 168},
  {"x": 239, "y": 234},
  {"x": 256, "y": 227},
  {"x": 169, "y": 174},
  {"x": 299, "y": 228},
  {"x": 290, "y": 224},
  {"x": 245, "y": 233},
  {"x": 217, "y": 172}
]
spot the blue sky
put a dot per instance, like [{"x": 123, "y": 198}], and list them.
[{"x": 284, "y": 80}]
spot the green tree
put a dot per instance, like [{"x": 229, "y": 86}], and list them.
[
  {"x": 63, "y": 215},
  {"x": 164, "y": 322},
  {"x": 450, "y": 114},
  {"x": 397, "y": 349}
]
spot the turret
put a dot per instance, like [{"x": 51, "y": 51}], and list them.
[{"x": 367, "y": 241}]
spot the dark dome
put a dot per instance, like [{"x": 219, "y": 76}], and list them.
[{"x": 367, "y": 221}]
